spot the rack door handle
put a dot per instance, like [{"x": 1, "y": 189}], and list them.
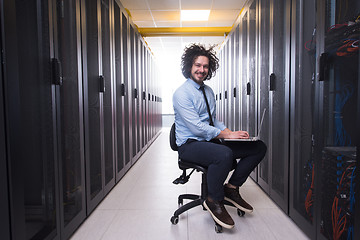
[
  {"x": 102, "y": 83},
  {"x": 122, "y": 89},
  {"x": 144, "y": 96},
  {"x": 56, "y": 72},
  {"x": 324, "y": 59},
  {"x": 248, "y": 88},
  {"x": 272, "y": 82}
]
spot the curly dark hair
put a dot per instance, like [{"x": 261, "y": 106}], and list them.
[{"x": 192, "y": 52}]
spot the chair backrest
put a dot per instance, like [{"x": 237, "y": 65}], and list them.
[{"x": 173, "y": 138}]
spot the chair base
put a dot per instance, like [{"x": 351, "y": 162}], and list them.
[{"x": 196, "y": 199}]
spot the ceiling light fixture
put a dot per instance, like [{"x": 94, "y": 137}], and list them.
[{"x": 194, "y": 15}]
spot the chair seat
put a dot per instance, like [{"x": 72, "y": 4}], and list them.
[{"x": 183, "y": 165}]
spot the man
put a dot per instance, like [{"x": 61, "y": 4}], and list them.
[{"x": 197, "y": 136}]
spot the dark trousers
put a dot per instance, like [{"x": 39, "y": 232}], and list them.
[{"x": 219, "y": 159}]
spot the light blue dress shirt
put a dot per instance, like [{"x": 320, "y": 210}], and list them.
[{"x": 191, "y": 116}]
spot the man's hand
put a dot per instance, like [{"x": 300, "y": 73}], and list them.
[{"x": 227, "y": 133}]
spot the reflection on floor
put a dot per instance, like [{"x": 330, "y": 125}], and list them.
[{"x": 141, "y": 204}]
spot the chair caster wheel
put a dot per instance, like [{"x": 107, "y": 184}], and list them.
[
  {"x": 174, "y": 220},
  {"x": 240, "y": 212},
  {"x": 218, "y": 228}
]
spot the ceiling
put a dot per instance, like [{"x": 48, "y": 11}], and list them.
[{"x": 166, "y": 14}]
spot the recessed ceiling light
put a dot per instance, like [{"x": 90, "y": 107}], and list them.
[{"x": 195, "y": 15}]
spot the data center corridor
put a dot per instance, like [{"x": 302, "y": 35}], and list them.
[{"x": 141, "y": 204}]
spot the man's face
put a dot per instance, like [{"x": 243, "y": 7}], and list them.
[{"x": 200, "y": 69}]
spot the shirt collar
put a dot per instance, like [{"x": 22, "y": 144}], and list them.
[{"x": 195, "y": 84}]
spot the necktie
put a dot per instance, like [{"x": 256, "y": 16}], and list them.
[{"x": 202, "y": 88}]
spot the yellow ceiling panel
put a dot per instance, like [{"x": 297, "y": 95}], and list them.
[
  {"x": 145, "y": 24},
  {"x": 141, "y": 15},
  {"x": 185, "y": 31},
  {"x": 168, "y": 23},
  {"x": 224, "y": 15},
  {"x": 135, "y": 4},
  {"x": 166, "y": 15},
  {"x": 228, "y": 4}
]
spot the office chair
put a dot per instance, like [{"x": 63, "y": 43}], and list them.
[{"x": 196, "y": 199}]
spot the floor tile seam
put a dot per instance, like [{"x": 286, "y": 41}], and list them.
[
  {"x": 291, "y": 222},
  {"x": 269, "y": 228},
  {"x": 108, "y": 226},
  {"x": 187, "y": 226}
]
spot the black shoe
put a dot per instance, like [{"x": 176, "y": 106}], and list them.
[
  {"x": 232, "y": 195},
  {"x": 219, "y": 213}
]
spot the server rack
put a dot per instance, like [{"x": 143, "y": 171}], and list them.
[
  {"x": 338, "y": 38},
  {"x": 137, "y": 93},
  {"x": 98, "y": 96},
  {"x": 265, "y": 63},
  {"x": 263, "y": 84},
  {"x": 125, "y": 87},
  {"x": 121, "y": 166},
  {"x": 330, "y": 145},
  {"x": 42, "y": 127},
  {"x": 244, "y": 66},
  {"x": 143, "y": 97},
  {"x": 303, "y": 108},
  {"x": 65, "y": 77},
  {"x": 279, "y": 107},
  {"x": 237, "y": 88},
  {"x": 12, "y": 100},
  {"x": 4, "y": 203}
]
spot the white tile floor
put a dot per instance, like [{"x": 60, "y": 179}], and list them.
[{"x": 141, "y": 204}]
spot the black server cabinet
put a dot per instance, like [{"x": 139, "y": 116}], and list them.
[
  {"x": 132, "y": 89},
  {"x": 225, "y": 85},
  {"x": 4, "y": 203},
  {"x": 264, "y": 175},
  {"x": 231, "y": 80},
  {"x": 302, "y": 116},
  {"x": 336, "y": 148},
  {"x": 139, "y": 97},
  {"x": 279, "y": 106},
  {"x": 25, "y": 140},
  {"x": 137, "y": 94},
  {"x": 143, "y": 97},
  {"x": 274, "y": 91},
  {"x": 126, "y": 93},
  {"x": 324, "y": 118},
  {"x": 147, "y": 74},
  {"x": 249, "y": 40},
  {"x": 357, "y": 186},
  {"x": 43, "y": 109},
  {"x": 69, "y": 115},
  {"x": 98, "y": 97},
  {"x": 151, "y": 101},
  {"x": 219, "y": 106},
  {"x": 121, "y": 165},
  {"x": 257, "y": 53},
  {"x": 243, "y": 110},
  {"x": 237, "y": 77},
  {"x": 252, "y": 94}
]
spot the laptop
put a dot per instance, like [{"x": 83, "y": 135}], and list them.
[{"x": 250, "y": 139}]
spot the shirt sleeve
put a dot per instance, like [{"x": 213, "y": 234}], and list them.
[
  {"x": 219, "y": 125},
  {"x": 184, "y": 107}
]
